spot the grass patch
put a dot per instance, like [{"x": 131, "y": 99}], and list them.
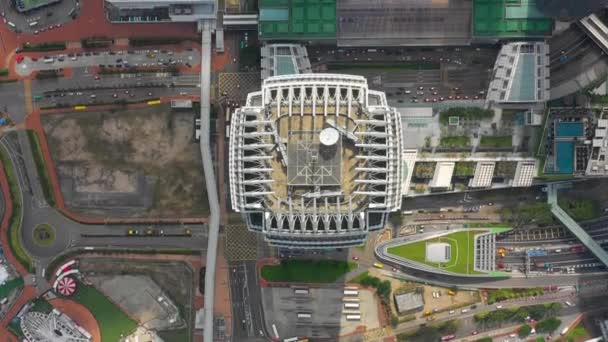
[
  {"x": 462, "y": 252},
  {"x": 504, "y": 294},
  {"x": 359, "y": 278},
  {"x": 113, "y": 322},
  {"x": 580, "y": 209},
  {"x": 44, "y": 234},
  {"x": 42, "y": 47},
  {"x": 175, "y": 335},
  {"x": 465, "y": 114},
  {"x": 45, "y": 181},
  {"x": 9, "y": 286},
  {"x": 15, "y": 327},
  {"x": 383, "y": 65},
  {"x": 14, "y": 223},
  {"x": 577, "y": 333},
  {"x": 307, "y": 271},
  {"x": 464, "y": 169},
  {"x": 505, "y": 141},
  {"x": 41, "y": 305},
  {"x": 453, "y": 142},
  {"x": 3, "y": 72}
]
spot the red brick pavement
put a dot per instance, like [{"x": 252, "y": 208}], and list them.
[
  {"x": 33, "y": 121},
  {"x": 80, "y": 314},
  {"x": 28, "y": 294}
]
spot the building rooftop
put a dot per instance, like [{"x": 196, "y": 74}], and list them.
[
  {"x": 315, "y": 153},
  {"x": 410, "y": 301},
  {"x": 284, "y": 59},
  {"x": 509, "y": 19},
  {"x": 297, "y": 19},
  {"x": 443, "y": 175},
  {"x": 398, "y": 23}
]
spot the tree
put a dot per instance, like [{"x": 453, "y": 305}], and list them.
[
  {"x": 548, "y": 325},
  {"x": 524, "y": 331}
]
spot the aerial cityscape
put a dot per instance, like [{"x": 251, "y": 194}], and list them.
[{"x": 303, "y": 170}]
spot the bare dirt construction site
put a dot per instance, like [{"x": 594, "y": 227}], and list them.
[
  {"x": 128, "y": 163},
  {"x": 174, "y": 278}
]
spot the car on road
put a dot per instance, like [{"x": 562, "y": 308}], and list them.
[
  {"x": 475, "y": 332},
  {"x": 188, "y": 232},
  {"x": 355, "y": 258},
  {"x": 452, "y": 312}
]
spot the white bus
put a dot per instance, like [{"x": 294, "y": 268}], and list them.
[
  {"x": 351, "y": 305},
  {"x": 351, "y": 312},
  {"x": 33, "y": 23},
  {"x": 353, "y": 317},
  {"x": 301, "y": 291},
  {"x": 352, "y": 299},
  {"x": 11, "y": 24},
  {"x": 351, "y": 292},
  {"x": 304, "y": 315},
  {"x": 293, "y": 339}
]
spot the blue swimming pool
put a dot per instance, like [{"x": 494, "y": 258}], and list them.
[
  {"x": 570, "y": 129},
  {"x": 564, "y": 157}
]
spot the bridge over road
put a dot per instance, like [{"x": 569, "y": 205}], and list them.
[{"x": 574, "y": 227}]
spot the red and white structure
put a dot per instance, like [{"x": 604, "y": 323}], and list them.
[{"x": 66, "y": 286}]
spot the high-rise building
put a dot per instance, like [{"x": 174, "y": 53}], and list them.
[{"x": 315, "y": 160}]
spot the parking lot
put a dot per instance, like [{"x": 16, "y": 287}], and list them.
[
  {"x": 285, "y": 310},
  {"x": 38, "y": 20},
  {"x": 139, "y": 59}
]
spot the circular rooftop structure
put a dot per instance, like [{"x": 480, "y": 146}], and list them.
[
  {"x": 438, "y": 252},
  {"x": 329, "y": 136}
]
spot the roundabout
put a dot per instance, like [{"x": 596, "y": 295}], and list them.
[{"x": 44, "y": 234}]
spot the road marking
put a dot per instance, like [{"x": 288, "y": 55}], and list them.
[{"x": 27, "y": 85}]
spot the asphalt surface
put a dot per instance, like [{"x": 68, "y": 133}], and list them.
[
  {"x": 70, "y": 234},
  {"x": 245, "y": 297}
]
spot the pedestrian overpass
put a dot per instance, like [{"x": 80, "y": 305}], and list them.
[
  {"x": 240, "y": 21},
  {"x": 597, "y": 30},
  {"x": 574, "y": 227}
]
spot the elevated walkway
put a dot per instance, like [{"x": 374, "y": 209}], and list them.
[
  {"x": 574, "y": 227},
  {"x": 597, "y": 30}
]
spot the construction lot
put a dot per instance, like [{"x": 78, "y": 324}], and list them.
[
  {"x": 326, "y": 308},
  {"x": 173, "y": 278},
  {"x": 129, "y": 162}
]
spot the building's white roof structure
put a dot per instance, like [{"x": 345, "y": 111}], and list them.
[
  {"x": 598, "y": 160},
  {"x": 443, "y": 175},
  {"x": 438, "y": 252},
  {"x": 524, "y": 173},
  {"x": 167, "y": 10},
  {"x": 300, "y": 192},
  {"x": 521, "y": 74},
  {"x": 52, "y": 327},
  {"x": 483, "y": 175}
]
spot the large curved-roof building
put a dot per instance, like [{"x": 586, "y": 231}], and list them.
[{"x": 315, "y": 160}]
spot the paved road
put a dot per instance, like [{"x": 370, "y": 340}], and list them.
[
  {"x": 70, "y": 234},
  {"x": 245, "y": 296},
  {"x": 139, "y": 58}
]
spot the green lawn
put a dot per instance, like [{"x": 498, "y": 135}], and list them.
[
  {"x": 465, "y": 114},
  {"x": 462, "y": 257},
  {"x": 113, "y": 322},
  {"x": 505, "y": 141},
  {"x": 45, "y": 181},
  {"x": 41, "y": 305},
  {"x": 580, "y": 209},
  {"x": 9, "y": 286},
  {"x": 457, "y": 141},
  {"x": 14, "y": 228},
  {"x": 307, "y": 271},
  {"x": 579, "y": 333}
]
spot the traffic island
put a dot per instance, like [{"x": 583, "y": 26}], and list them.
[
  {"x": 44, "y": 234},
  {"x": 463, "y": 252}
]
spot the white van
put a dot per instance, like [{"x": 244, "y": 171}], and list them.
[
  {"x": 49, "y": 60},
  {"x": 33, "y": 23},
  {"x": 11, "y": 24}
]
